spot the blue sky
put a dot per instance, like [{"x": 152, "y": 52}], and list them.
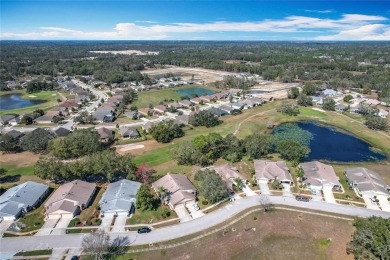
[{"x": 195, "y": 20}]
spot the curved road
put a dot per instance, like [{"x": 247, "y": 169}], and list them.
[{"x": 172, "y": 232}]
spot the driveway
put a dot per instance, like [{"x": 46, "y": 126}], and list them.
[
  {"x": 316, "y": 195},
  {"x": 182, "y": 213},
  {"x": 106, "y": 222},
  {"x": 58, "y": 253},
  {"x": 61, "y": 226},
  {"x": 248, "y": 191},
  {"x": 120, "y": 222},
  {"x": 328, "y": 195},
  {"x": 4, "y": 225},
  {"x": 384, "y": 203},
  {"x": 370, "y": 204},
  {"x": 46, "y": 229},
  {"x": 287, "y": 190},
  {"x": 264, "y": 188},
  {"x": 194, "y": 213}
]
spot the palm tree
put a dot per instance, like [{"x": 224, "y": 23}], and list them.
[{"x": 162, "y": 194}]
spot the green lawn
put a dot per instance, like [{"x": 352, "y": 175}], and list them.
[
  {"x": 35, "y": 252},
  {"x": 49, "y": 96},
  {"x": 150, "y": 216},
  {"x": 13, "y": 170},
  {"x": 310, "y": 111},
  {"x": 154, "y": 97}
]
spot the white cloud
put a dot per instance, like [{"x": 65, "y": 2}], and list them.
[
  {"x": 354, "y": 26},
  {"x": 371, "y": 32},
  {"x": 321, "y": 11}
]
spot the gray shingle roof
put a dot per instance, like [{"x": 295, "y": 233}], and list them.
[
  {"x": 119, "y": 196},
  {"x": 21, "y": 197}
]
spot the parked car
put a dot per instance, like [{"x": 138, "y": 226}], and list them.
[
  {"x": 196, "y": 206},
  {"x": 302, "y": 198},
  {"x": 143, "y": 230}
]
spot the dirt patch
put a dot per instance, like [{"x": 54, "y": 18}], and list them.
[
  {"x": 278, "y": 235},
  {"x": 147, "y": 146},
  {"x": 128, "y": 147},
  {"x": 19, "y": 159}
]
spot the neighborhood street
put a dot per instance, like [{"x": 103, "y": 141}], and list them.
[{"x": 206, "y": 222}]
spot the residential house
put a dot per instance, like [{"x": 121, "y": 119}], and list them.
[
  {"x": 185, "y": 103},
  {"x": 217, "y": 111},
  {"x": 366, "y": 182},
  {"x": 147, "y": 126},
  {"x": 267, "y": 171},
  {"x": 180, "y": 191},
  {"x": 372, "y": 102},
  {"x": 383, "y": 113},
  {"x": 45, "y": 119},
  {"x": 145, "y": 111},
  {"x": 317, "y": 100},
  {"x": 319, "y": 176},
  {"x": 5, "y": 119},
  {"x": 70, "y": 199},
  {"x": 15, "y": 134},
  {"x": 205, "y": 98},
  {"x": 161, "y": 109},
  {"x": 61, "y": 132},
  {"x": 53, "y": 113},
  {"x": 101, "y": 116},
  {"x": 184, "y": 119},
  {"x": 119, "y": 198},
  {"x": 329, "y": 93},
  {"x": 128, "y": 132},
  {"x": 70, "y": 103},
  {"x": 64, "y": 111},
  {"x": 133, "y": 114},
  {"x": 67, "y": 85},
  {"x": 228, "y": 174},
  {"x": 18, "y": 200},
  {"x": 237, "y": 106},
  {"x": 227, "y": 108},
  {"x": 196, "y": 100},
  {"x": 105, "y": 134},
  {"x": 252, "y": 102},
  {"x": 175, "y": 105},
  {"x": 341, "y": 107}
]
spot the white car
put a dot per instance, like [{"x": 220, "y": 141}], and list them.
[{"x": 196, "y": 206}]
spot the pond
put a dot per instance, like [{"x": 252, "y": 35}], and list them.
[
  {"x": 13, "y": 101},
  {"x": 191, "y": 92},
  {"x": 329, "y": 144}
]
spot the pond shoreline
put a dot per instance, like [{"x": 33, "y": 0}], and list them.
[{"x": 362, "y": 150}]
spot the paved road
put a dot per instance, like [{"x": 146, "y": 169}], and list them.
[{"x": 182, "y": 229}]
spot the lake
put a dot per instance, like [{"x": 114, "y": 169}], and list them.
[
  {"x": 191, "y": 92},
  {"x": 13, "y": 101},
  {"x": 332, "y": 145}
]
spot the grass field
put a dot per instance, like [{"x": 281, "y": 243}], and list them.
[
  {"x": 49, "y": 96},
  {"x": 277, "y": 235},
  {"x": 154, "y": 97}
]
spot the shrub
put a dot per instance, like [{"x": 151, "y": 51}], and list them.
[{"x": 205, "y": 202}]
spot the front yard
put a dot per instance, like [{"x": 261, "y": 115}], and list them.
[{"x": 162, "y": 213}]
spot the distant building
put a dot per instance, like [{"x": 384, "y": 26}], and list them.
[
  {"x": 105, "y": 134},
  {"x": 5, "y": 119},
  {"x": 329, "y": 93}
]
